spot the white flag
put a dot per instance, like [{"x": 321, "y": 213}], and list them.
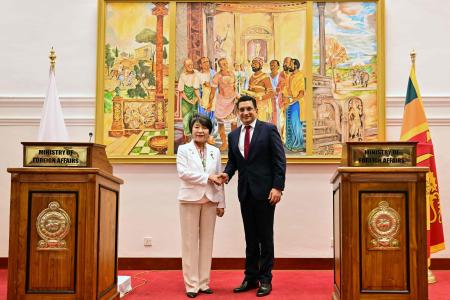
[{"x": 52, "y": 127}]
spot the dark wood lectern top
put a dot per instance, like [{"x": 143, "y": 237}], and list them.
[
  {"x": 386, "y": 170},
  {"x": 64, "y": 170}
]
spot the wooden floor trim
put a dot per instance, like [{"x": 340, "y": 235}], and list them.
[{"x": 174, "y": 263}]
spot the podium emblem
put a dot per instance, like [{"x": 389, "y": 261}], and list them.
[
  {"x": 52, "y": 225},
  {"x": 384, "y": 224}
]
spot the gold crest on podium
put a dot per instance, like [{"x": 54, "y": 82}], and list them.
[{"x": 52, "y": 224}]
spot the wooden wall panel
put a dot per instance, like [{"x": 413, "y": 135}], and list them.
[{"x": 107, "y": 249}]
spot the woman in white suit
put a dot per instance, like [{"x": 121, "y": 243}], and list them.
[{"x": 201, "y": 199}]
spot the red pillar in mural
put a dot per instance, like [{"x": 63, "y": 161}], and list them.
[
  {"x": 322, "y": 45},
  {"x": 210, "y": 11},
  {"x": 160, "y": 10}
]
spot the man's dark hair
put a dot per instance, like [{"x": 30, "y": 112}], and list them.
[
  {"x": 296, "y": 63},
  {"x": 219, "y": 60},
  {"x": 246, "y": 98},
  {"x": 199, "y": 61},
  {"x": 202, "y": 119},
  {"x": 278, "y": 63}
]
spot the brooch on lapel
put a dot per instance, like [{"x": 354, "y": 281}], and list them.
[{"x": 212, "y": 155}]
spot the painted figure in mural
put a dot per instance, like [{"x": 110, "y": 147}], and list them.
[
  {"x": 201, "y": 199},
  {"x": 274, "y": 76},
  {"x": 225, "y": 82},
  {"x": 257, "y": 49},
  {"x": 246, "y": 69},
  {"x": 262, "y": 172},
  {"x": 188, "y": 87},
  {"x": 293, "y": 101},
  {"x": 355, "y": 119},
  {"x": 260, "y": 87},
  {"x": 218, "y": 45},
  {"x": 282, "y": 81},
  {"x": 205, "y": 75},
  {"x": 240, "y": 77}
]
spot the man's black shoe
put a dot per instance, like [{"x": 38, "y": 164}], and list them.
[
  {"x": 246, "y": 286},
  {"x": 207, "y": 291},
  {"x": 191, "y": 294},
  {"x": 264, "y": 290}
]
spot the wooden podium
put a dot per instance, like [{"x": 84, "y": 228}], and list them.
[
  {"x": 379, "y": 219},
  {"x": 63, "y": 224}
]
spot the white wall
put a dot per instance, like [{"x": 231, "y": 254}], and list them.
[{"x": 148, "y": 206}]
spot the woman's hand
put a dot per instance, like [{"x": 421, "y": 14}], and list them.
[
  {"x": 216, "y": 179},
  {"x": 220, "y": 212}
]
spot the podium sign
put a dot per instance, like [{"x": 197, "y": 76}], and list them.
[
  {"x": 54, "y": 156},
  {"x": 379, "y": 154}
]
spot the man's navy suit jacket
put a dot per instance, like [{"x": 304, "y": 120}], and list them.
[{"x": 265, "y": 167}]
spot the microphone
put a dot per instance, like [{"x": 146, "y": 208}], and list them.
[{"x": 90, "y": 136}]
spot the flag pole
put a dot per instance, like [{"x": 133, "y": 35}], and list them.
[
  {"x": 413, "y": 58},
  {"x": 52, "y": 59}
]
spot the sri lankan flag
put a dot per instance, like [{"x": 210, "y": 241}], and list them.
[{"x": 415, "y": 128}]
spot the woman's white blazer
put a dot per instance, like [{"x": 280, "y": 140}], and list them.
[{"x": 194, "y": 179}]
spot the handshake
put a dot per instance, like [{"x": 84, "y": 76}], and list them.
[{"x": 218, "y": 179}]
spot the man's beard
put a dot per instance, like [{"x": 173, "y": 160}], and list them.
[
  {"x": 256, "y": 69},
  {"x": 286, "y": 68}
]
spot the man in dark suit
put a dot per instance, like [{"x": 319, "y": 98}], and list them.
[{"x": 256, "y": 151}]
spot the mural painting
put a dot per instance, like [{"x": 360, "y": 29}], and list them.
[
  {"x": 226, "y": 50},
  {"x": 135, "y": 79},
  {"x": 345, "y": 106},
  {"x": 313, "y": 68}
]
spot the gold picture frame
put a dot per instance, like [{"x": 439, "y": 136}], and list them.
[{"x": 132, "y": 142}]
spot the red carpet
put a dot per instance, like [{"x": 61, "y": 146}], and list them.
[{"x": 288, "y": 285}]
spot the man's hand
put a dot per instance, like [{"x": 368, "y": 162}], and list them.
[
  {"x": 220, "y": 212},
  {"x": 214, "y": 178},
  {"x": 223, "y": 177},
  {"x": 274, "y": 196}
]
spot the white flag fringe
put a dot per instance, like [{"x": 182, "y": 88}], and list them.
[{"x": 52, "y": 127}]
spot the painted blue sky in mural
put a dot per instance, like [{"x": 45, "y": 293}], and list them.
[{"x": 353, "y": 24}]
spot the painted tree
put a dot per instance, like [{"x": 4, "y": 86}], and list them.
[
  {"x": 373, "y": 68},
  {"x": 109, "y": 58},
  {"x": 165, "y": 53},
  {"x": 335, "y": 54},
  {"x": 142, "y": 72},
  {"x": 149, "y": 36}
]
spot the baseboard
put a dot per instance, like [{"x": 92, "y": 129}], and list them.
[
  {"x": 3, "y": 263},
  {"x": 222, "y": 263},
  {"x": 218, "y": 263},
  {"x": 440, "y": 264}
]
